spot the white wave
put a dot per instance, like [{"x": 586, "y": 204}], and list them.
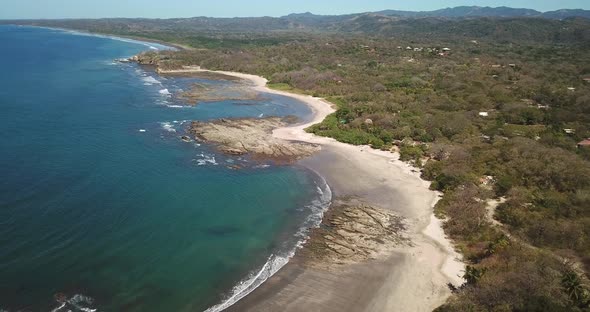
[
  {"x": 149, "y": 80},
  {"x": 261, "y": 115},
  {"x": 244, "y": 288},
  {"x": 152, "y": 46},
  {"x": 206, "y": 160},
  {"x": 176, "y": 106},
  {"x": 317, "y": 207},
  {"x": 78, "y": 303},
  {"x": 319, "y": 189},
  {"x": 142, "y": 130},
  {"x": 78, "y": 300},
  {"x": 164, "y": 92},
  {"x": 60, "y": 307},
  {"x": 167, "y": 126},
  {"x": 276, "y": 262}
]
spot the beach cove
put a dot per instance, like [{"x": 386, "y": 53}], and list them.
[
  {"x": 410, "y": 277},
  {"x": 405, "y": 266}
]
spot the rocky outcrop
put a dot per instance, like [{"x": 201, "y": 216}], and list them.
[
  {"x": 251, "y": 136},
  {"x": 353, "y": 232},
  {"x": 146, "y": 58},
  {"x": 199, "y": 93}
]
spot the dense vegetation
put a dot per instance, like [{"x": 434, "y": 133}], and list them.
[{"x": 497, "y": 116}]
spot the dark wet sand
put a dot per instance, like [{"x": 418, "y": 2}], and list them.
[
  {"x": 300, "y": 288},
  {"x": 408, "y": 279}
]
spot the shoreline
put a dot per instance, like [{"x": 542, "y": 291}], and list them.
[
  {"x": 410, "y": 278},
  {"x": 385, "y": 182},
  {"x": 131, "y": 39}
]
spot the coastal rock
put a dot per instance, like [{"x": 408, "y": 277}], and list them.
[
  {"x": 186, "y": 138},
  {"x": 251, "y": 136},
  {"x": 199, "y": 93},
  {"x": 353, "y": 232},
  {"x": 146, "y": 58}
]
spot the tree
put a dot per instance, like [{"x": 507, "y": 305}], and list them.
[
  {"x": 473, "y": 275},
  {"x": 575, "y": 289}
]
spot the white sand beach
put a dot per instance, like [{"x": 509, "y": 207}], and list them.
[{"x": 412, "y": 278}]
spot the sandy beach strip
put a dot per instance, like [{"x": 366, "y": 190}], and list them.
[{"x": 411, "y": 278}]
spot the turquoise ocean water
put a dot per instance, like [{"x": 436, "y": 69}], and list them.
[{"x": 101, "y": 203}]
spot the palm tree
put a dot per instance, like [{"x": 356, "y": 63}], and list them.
[
  {"x": 573, "y": 286},
  {"x": 473, "y": 275}
]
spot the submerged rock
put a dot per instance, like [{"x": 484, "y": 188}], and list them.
[
  {"x": 186, "y": 138},
  {"x": 200, "y": 93}
]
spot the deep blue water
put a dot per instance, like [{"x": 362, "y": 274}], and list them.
[{"x": 100, "y": 198}]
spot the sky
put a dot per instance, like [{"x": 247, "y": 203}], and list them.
[{"x": 32, "y": 9}]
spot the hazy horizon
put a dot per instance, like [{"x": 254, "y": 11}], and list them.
[{"x": 37, "y": 9}]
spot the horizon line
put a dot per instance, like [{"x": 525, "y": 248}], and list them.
[{"x": 279, "y": 16}]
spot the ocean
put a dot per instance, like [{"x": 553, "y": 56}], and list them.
[{"x": 104, "y": 208}]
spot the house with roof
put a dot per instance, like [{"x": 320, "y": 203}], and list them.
[{"x": 585, "y": 143}]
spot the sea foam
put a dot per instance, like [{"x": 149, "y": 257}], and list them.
[
  {"x": 205, "y": 160},
  {"x": 76, "y": 303},
  {"x": 167, "y": 126},
  {"x": 149, "y": 80},
  {"x": 150, "y": 45},
  {"x": 275, "y": 262}
]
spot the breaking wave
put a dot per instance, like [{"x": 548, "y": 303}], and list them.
[
  {"x": 150, "y": 45},
  {"x": 275, "y": 262},
  {"x": 149, "y": 81},
  {"x": 167, "y": 126},
  {"x": 205, "y": 160},
  {"x": 76, "y": 303}
]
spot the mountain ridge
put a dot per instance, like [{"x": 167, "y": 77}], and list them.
[{"x": 464, "y": 12}]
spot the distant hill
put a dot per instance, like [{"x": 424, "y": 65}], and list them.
[
  {"x": 562, "y": 14},
  {"x": 502, "y": 24},
  {"x": 477, "y": 11},
  {"x": 467, "y": 11}
]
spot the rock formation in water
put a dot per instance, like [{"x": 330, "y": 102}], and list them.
[{"x": 251, "y": 136}]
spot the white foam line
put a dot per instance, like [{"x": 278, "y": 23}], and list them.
[
  {"x": 245, "y": 290},
  {"x": 59, "y": 308},
  {"x": 275, "y": 263},
  {"x": 150, "y": 45}
]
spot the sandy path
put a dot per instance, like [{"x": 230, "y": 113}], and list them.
[{"x": 413, "y": 279}]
